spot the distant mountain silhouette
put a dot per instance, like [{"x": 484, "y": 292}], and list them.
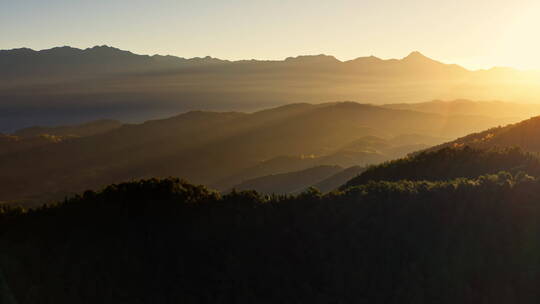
[
  {"x": 66, "y": 85},
  {"x": 67, "y": 63},
  {"x": 81, "y": 130}
]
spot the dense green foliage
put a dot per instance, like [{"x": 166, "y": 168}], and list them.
[
  {"x": 451, "y": 163},
  {"x": 166, "y": 241}
]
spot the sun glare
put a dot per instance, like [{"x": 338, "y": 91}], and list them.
[{"x": 519, "y": 45}]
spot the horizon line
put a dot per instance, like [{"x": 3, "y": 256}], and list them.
[{"x": 412, "y": 53}]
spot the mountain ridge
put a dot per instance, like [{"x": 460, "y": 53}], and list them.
[{"x": 106, "y": 49}]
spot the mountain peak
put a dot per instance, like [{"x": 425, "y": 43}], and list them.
[
  {"x": 313, "y": 59},
  {"x": 105, "y": 49},
  {"x": 415, "y": 55},
  {"x": 368, "y": 59},
  {"x": 104, "y": 46}
]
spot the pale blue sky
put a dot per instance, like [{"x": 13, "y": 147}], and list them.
[{"x": 476, "y": 34}]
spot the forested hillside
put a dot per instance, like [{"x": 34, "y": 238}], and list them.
[
  {"x": 166, "y": 241},
  {"x": 451, "y": 163},
  {"x": 524, "y": 135}
]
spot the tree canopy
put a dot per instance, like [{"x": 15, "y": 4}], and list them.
[{"x": 465, "y": 240}]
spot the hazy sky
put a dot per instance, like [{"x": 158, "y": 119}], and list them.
[{"x": 473, "y": 33}]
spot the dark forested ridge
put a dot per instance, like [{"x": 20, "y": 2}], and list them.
[
  {"x": 451, "y": 163},
  {"x": 166, "y": 241}
]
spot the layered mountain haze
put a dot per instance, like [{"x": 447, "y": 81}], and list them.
[
  {"x": 224, "y": 149},
  {"x": 286, "y": 175},
  {"x": 67, "y": 85},
  {"x": 335, "y": 181},
  {"x": 289, "y": 183},
  {"x": 451, "y": 163},
  {"x": 514, "y": 148},
  {"x": 34, "y": 137},
  {"x": 468, "y": 107}
]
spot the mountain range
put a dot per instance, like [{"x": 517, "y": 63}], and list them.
[
  {"x": 346, "y": 202},
  {"x": 66, "y": 85}
]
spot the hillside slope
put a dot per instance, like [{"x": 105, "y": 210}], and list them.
[
  {"x": 80, "y": 130},
  {"x": 289, "y": 183},
  {"x": 525, "y": 135},
  {"x": 33, "y": 137},
  {"x": 450, "y": 163},
  {"x": 340, "y": 178},
  {"x": 209, "y": 147}
]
